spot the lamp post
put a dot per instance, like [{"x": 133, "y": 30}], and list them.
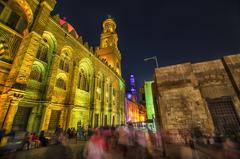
[
  {"x": 157, "y": 125},
  {"x": 152, "y": 58}
]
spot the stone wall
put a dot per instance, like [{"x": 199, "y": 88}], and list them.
[{"x": 182, "y": 91}]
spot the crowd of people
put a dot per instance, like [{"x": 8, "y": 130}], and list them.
[
  {"x": 122, "y": 139},
  {"x": 104, "y": 140}
]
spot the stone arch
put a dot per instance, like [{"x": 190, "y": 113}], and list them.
[
  {"x": 67, "y": 50},
  {"x": 65, "y": 59},
  {"x": 86, "y": 65},
  {"x": 85, "y": 74},
  {"x": 63, "y": 77},
  {"x": 37, "y": 72},
  {"x": 51, "y": 40},
  {"x": 25, "y": 7},
  {"x": 40, "y": 66}
]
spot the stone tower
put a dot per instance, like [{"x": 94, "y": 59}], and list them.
[{"x": 108, "y": 48}]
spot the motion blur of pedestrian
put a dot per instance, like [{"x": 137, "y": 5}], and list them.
[
  {"x": 89, "y": 132},
  {"x": 96, "y": 146},
  {"x": 2, "y": 134},
  {"x": 191, "y": 143},
  {"x": 81, "y": 133},
  {"x": 123, "y": 139},
  {"x": 26, "y": 140},
  {"x": 43, "y": 139},
  {"x": 143, "y": 147},
  {"x": 229, "y": 147}
]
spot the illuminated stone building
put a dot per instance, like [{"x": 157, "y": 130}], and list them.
[
  {"x": 201, "y": 96},
  {"x": 49, "y": 76},
  {"x": 135, "y": 112},
  {"x": 150, "y": 104}
]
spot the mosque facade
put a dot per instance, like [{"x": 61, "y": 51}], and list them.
[{"x": 50, "y": 76}]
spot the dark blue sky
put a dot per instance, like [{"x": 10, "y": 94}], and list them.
[{"x": 175, "y": 31}]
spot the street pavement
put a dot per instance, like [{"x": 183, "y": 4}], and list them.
[{"x": 74, "y": 151}]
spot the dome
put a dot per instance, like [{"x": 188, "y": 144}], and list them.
[
  {"x": 69, "y": 28},
  {"x": 109, "y": 25}
]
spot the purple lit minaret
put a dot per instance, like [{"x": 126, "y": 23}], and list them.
[{"x": 133, "y": 87}]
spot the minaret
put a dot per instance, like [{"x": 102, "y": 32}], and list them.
[
  {"x": 133, "y": 88},
  {"x": 108, "y": 48}
]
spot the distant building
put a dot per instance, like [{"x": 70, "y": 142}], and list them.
[
  {"x": 141, "y": 96},
  {"x": 149, "y": 97},
  {"x": 135, "y": 111},
  {"x": 202, "y": 96}
]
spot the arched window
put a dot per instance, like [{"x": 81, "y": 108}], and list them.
[
  {"x": 36, "y": 75},
  {"x": 42, "y": 53},
  {"x": 79, "y": 80},
  {"x": 66, "y": 67},
  {"x": 60, "y": 83},
  {"x": 83, "y": 82},
  {"x": 64, "y": 63}
]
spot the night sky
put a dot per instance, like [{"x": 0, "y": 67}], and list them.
[{"x": 175, "y": 31}]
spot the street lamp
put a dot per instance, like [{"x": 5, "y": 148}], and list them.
[
  {"x": 157, "y": 126},
  {"x": 152, "y": 58}
]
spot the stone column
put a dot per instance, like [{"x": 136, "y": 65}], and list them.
[
  {"x": 3, "y": 107},
  {"x": 45, "y": 118},
  {"x": 62, "y": 118},
  {"x": 14, "y": 98},
  {"x": 32, "y": 119},
  {"x": 73, "y": 84},
  {"x": 92, "y": 92}
]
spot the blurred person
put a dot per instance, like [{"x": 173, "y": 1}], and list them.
[
  {"x": 43, "y": 139},
  {"x": 74, "y": 132},
  {"x": 150, "y": 138},
  {"x": 58, "y": 130},
  {"x": 191, "y": 144},
  {"x": 142, "y": 145},
  {"x": 158, "y": 139},
  {"x": 68, "y": 132},
  {"x": 89, "y": 132},
  {"x": 114, "y": 136},
  {"x": 123, "y": 139},
  {"x": 26, "y": 140},
  {"x": 96, "y": 146},
  {"x": 81, "y": 133},
  {"x": 11, "y": 136},
  {"x": 63, "y": 138},
  {"x": 2, "y": 134},
  {"x": 229, "y": 147},
  {"x": 35, "y": 140},
  {"x": 131, "y": 135},
  {"x": 107, "y": 133}
]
